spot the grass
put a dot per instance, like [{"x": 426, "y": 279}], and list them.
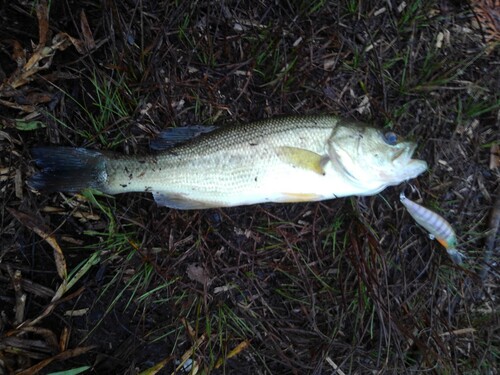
[
  {"x": 110, "y": 109},
  {"x": 283, "y": 288}
]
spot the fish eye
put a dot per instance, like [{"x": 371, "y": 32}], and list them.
[{"x": 391, "y": 138}]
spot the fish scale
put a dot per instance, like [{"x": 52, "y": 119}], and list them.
[{"x": 239, "y": 159}]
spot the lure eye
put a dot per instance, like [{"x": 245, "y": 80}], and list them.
[{"x": 391, "y": 138}]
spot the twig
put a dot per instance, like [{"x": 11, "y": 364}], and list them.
[
  {"x": 20, "y": 295},
  {"x": 493, "y": 243}
]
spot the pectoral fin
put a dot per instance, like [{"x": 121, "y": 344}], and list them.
[{"x": 303, "y": 159}]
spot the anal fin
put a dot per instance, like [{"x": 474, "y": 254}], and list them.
[
  {"x": 301, "y": 197},
  {"x": 181, "y": 202}
]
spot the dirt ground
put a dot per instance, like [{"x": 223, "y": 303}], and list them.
[{"x": 117, "y": 285}]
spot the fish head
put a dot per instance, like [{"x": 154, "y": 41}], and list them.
[{"x": 372, "y": 158}]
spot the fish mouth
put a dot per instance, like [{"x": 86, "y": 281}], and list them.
[
  {"x": 403, "y": 157},
  {"x": 405, "y": 152}
]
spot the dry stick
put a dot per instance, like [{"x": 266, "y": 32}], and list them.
[
  {"x": 493, "y": 243},
  {"x": 16, "y": 277}
]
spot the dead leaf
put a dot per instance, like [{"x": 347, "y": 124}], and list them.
[
  {"x": 64, "y": 339},
  {"x": 18, "y": 53},
  {"x": 199, "y": 274},
  {"x": 237, "y": 350},
  {"x": 56, "y": 299},
  {"x": 79, "y": 312},
  {"x": 20, "y": 308},
  {"x": 18, "y": 184},
  {"x": 42, "y": 13},
  {"x": 72, "y": 240},
  {"x": 335, "y": 367},
  {"x": 88, "y": 38},
  {"x": 49, "y": 336},
  {"x": 83, "y": 216},
  {"x": 364, "y": 106},
  {"x": 27, "y": 347},
  {"x": 41, "y": 59},
  {"x": 38, "y": 97},
  {"x": 24, "y": 108},
  {"x": 62, "y": 41},
  {"x": 157, "y": 367},
  {"x": 488, "y": 14},
  {"x": 462, "y": 331},
  {"x": 46, "y": 233},
  {"x": 4, "y": 136},
  {"x": 30, "y": 286},
  {"x": 494, "y": 156},
  {"x": 58, "y": 357},
  {"x": 43, "y": 52},
  {"x": 190, "y": 330},
  {"x": 188, "y": 354},
  {"x": 329, "y": 63}
]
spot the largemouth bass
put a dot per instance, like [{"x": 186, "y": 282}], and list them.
[{"x": 284, "y": 159}]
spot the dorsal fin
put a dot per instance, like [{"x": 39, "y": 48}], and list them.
[{"x": 172, "y": 136}]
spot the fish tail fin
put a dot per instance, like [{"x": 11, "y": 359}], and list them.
[
  {"x": 402, "y": 196},
  {"x": 68, "y": 169}
]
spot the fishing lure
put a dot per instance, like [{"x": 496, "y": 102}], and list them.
[{"x": 436, "y": 225}]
